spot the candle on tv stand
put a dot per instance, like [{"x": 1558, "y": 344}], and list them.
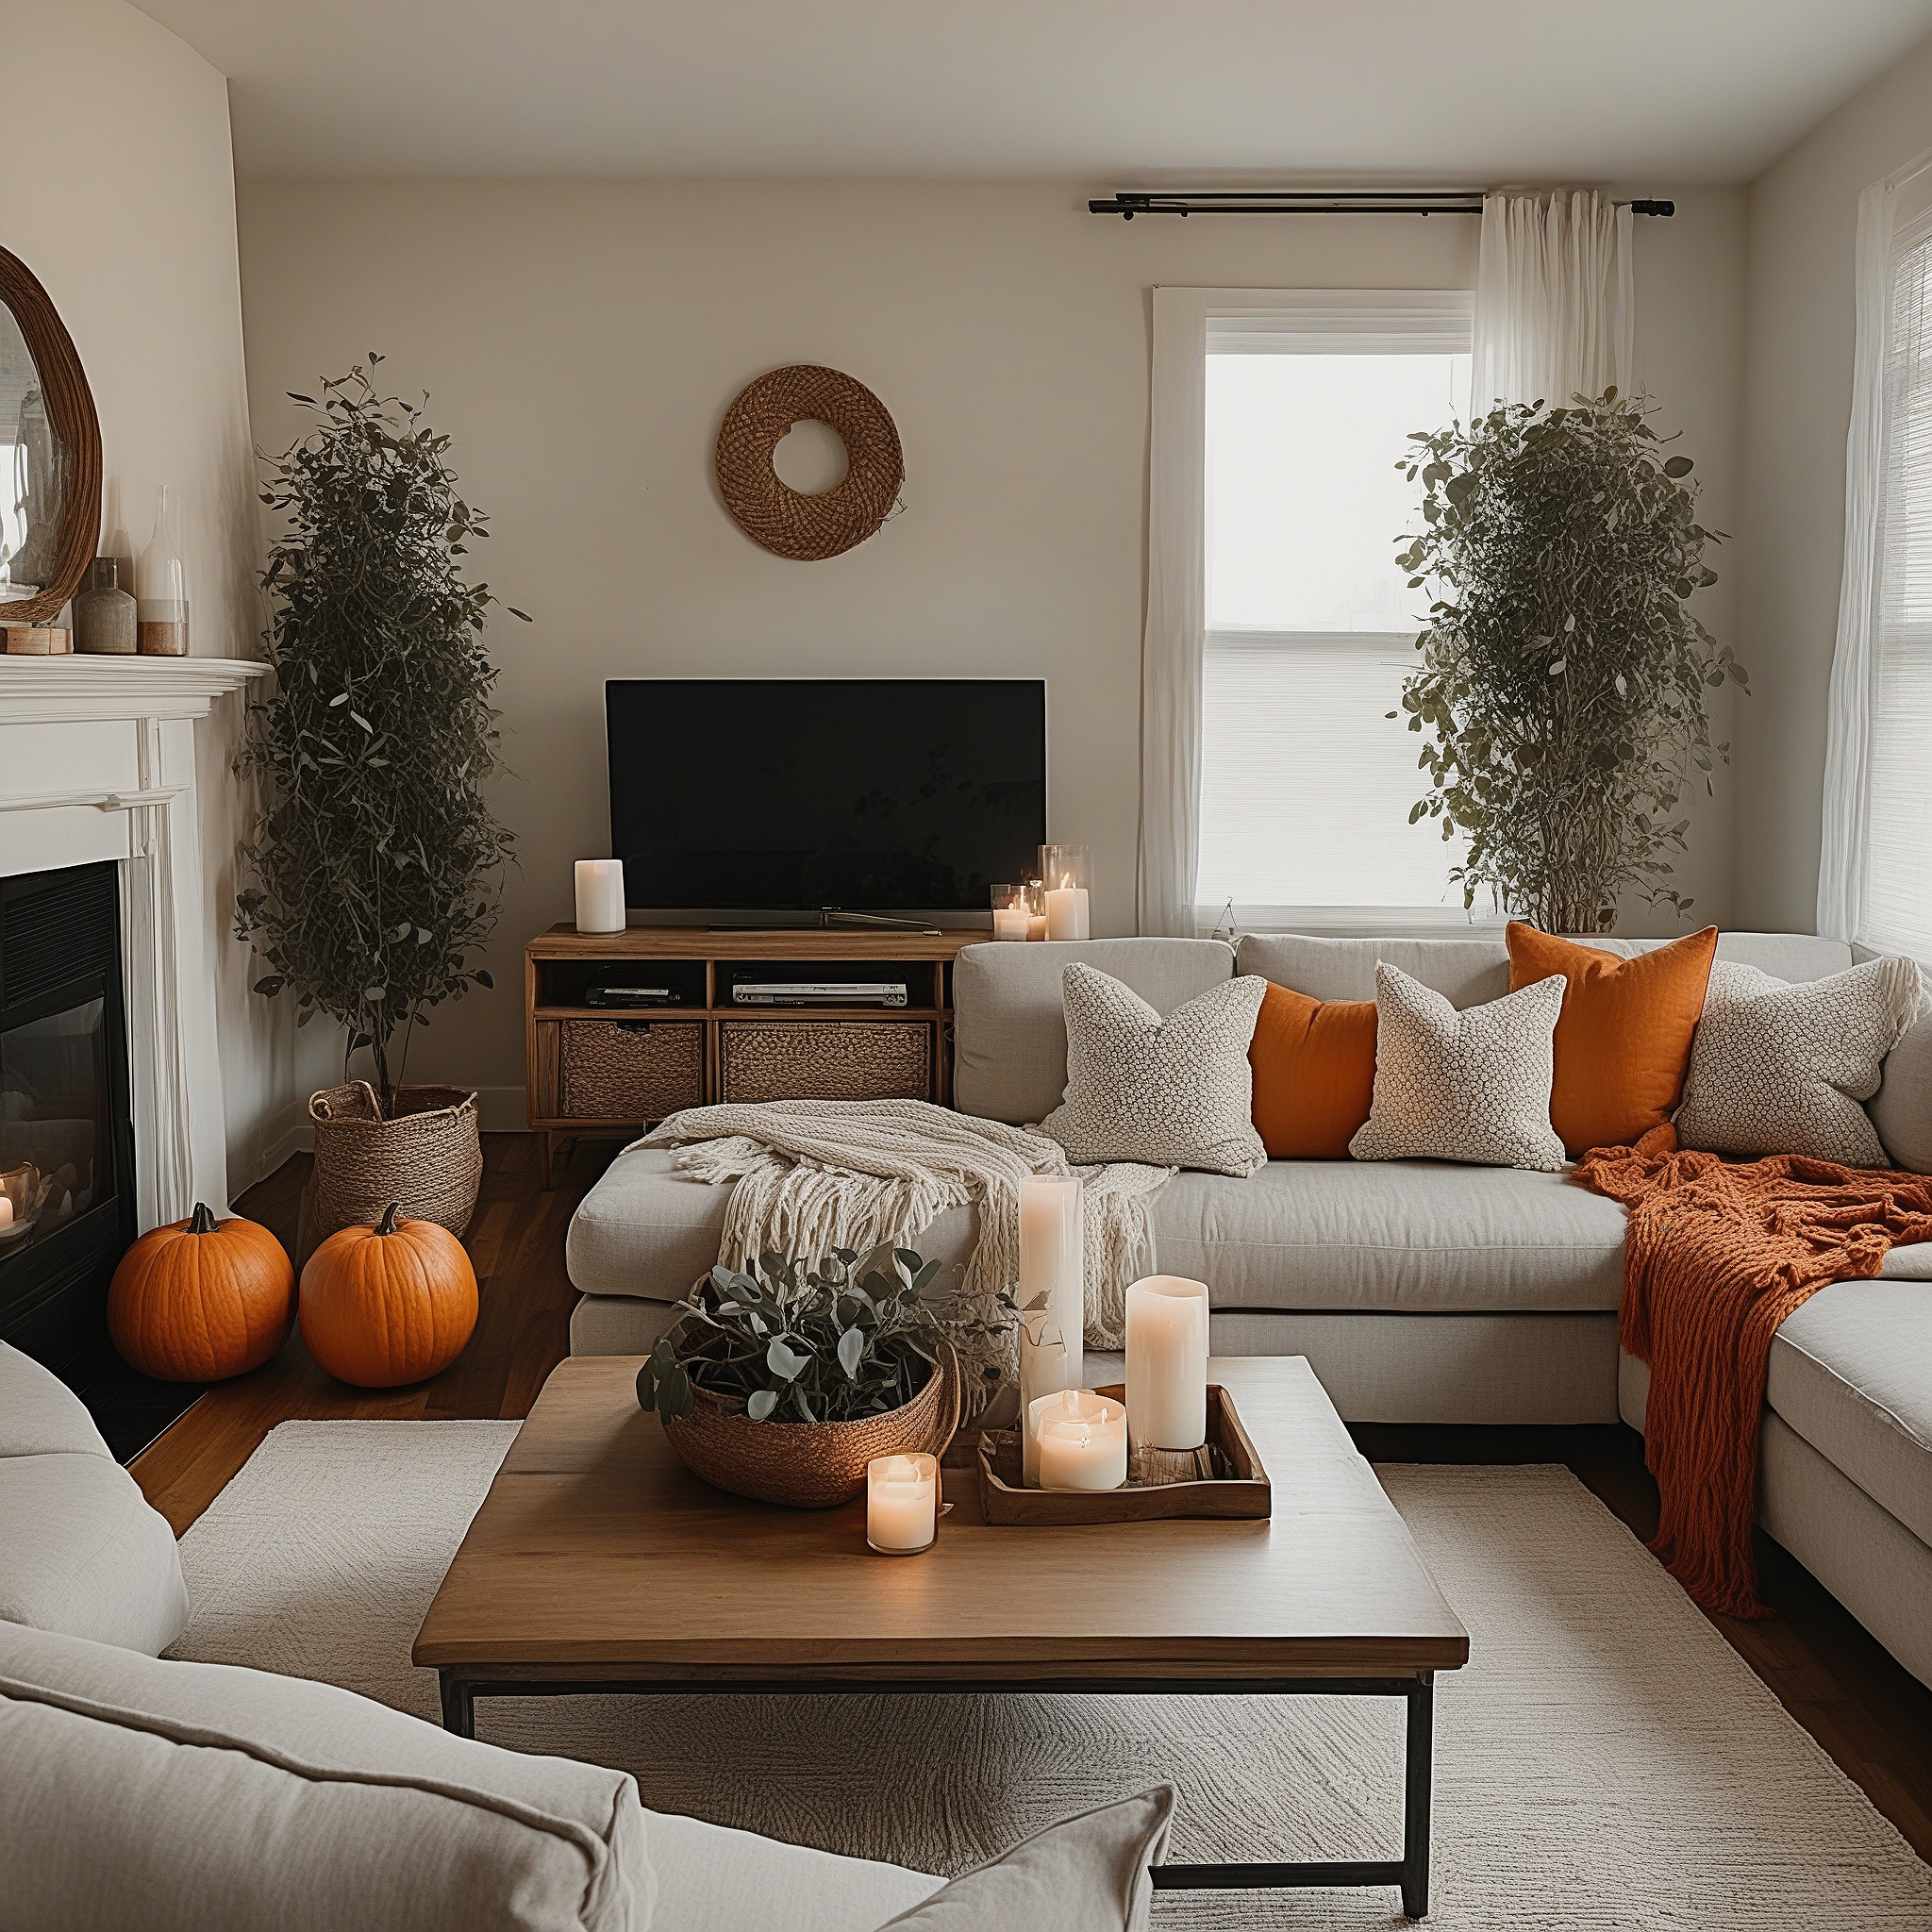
[
  {"x": 600, "y": 895},
  {"x": 1052, "y": 1262},
  {"x": 1011, "y": 923},
  {"x": 1167, "y": 1363},
  {"x": 1066, "y": 912}
]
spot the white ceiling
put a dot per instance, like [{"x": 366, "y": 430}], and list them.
[{"x": 1654, "y": 94}]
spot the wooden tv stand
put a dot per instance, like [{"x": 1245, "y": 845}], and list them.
[{"x": 602, "y": 1071}]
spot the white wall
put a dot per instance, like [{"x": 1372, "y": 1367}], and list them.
[
  {"x": 581, "y": 342},
  {"x": 1803, "y": 221},
  {"x": 119, "y": 194}
]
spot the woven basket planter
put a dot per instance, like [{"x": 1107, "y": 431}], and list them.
[
  {"x": 811, "y": 1465},
  {"x": 427, "y": 1156}
]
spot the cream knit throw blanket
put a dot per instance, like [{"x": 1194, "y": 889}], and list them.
[{"x": 817, "y": 1174}]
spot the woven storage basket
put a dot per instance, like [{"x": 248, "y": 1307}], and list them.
[
  {"x": 427, "y": 1156},
  {"x": 811, "y": 1465},
  {"x": 825, "y": 1060},
  {"x": 629, "y": 1070}
]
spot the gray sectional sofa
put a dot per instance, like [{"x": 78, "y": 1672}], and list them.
[{"x": 1420, "y": 1291}]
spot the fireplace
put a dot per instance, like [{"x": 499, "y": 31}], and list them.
[{"x": 67, "y": 1197}]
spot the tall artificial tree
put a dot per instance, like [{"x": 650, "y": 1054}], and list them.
[
  {"x": 1564, "y": 680},
  {"x": 373, "y": 876}
]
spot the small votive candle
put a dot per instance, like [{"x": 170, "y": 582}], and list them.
[
  {"x": 1167, "y": 1363},
  {"x": 600, "y": 896},
  {"x": 902, "y": 1504},
  {"x": 1083, "y": 1441},
  {"x": 1011, "y": 916}
]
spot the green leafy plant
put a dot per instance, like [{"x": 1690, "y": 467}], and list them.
[
  {"x": 374, "y": 874},
  {"x": 1564, "y": 678},
  {"x": 833, "y": 1342}
]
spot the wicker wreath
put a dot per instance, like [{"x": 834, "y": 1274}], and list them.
[{"x": 780, "y": 518}]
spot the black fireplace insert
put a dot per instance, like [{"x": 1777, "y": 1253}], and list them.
[{"x": 67, "y": 1212}]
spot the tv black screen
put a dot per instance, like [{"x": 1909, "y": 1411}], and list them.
[{"x": 794, "y": 794}]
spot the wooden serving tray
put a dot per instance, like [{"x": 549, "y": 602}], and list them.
[{"x": 1225, "y": 1478}]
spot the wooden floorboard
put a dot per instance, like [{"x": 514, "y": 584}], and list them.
[{"x": 1873, "y": 1718}]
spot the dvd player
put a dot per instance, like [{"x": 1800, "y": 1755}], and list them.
[
  {"x": 821, "y": 992},
  {"x": 633, "y": 996}
]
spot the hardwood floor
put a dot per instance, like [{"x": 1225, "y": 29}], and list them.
[{"x": 1871, "y": 1717}]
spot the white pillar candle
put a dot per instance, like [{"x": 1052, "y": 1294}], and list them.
[
  {"x": 1042, "y": 1371},
  {"x": 1036, "y": 926},
  {"x": 1012, "y": 923},
  {"x": 1167, "y": 1363},
  {"x": 901, "y": 1502},
  {"x": 600, "y": 896},
  {"x": 1052, "y": 1261},
  {"x": 6, "y": 1212},
  {"x": 1066, "y": 912},
  {"x": 1083, "y": 1441}
]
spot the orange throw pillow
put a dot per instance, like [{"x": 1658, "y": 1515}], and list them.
[
  {"x": 1623, "y": 1036},
  {"x": 1314, "y": 1066}
]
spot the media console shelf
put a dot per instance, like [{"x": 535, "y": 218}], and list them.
[{"x": 597, "y": 1071}]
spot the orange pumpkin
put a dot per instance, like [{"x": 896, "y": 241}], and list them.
[
  {"x": 202, "y": 1300},
  {"x": 390, "y": 1303}
]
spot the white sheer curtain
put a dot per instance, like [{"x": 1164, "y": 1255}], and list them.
[
  {"x": 1555, "y": 309},
  {"x": 1175, "y": 632}
]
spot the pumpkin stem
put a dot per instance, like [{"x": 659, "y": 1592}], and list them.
[
  {"x": 387, "y": 1224},
  {"x": 203, "y": 1220}
]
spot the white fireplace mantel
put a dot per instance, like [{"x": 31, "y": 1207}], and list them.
[{"x": 97, "y": 762}]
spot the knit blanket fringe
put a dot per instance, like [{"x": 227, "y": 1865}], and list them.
[
  {"x": 1717, "y": 1255},
  {"x": 817, "y": 1174}
]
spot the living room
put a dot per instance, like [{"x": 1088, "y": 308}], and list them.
[{"x": 880, "y": 689}]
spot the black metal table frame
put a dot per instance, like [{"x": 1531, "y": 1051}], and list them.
[{"x": 1409, "y": 1873}]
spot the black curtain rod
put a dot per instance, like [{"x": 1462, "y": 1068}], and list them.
[{"x": 1349, "y": 201}]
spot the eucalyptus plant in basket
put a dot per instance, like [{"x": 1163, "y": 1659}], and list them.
[
  {"x": 783, "y": 1382},
  {"x": 848, "y": 1337}
]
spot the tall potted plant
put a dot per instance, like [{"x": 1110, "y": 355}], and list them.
[
  {"x": 373, "y": 878},
  {"x": 1564, "y": 680}
]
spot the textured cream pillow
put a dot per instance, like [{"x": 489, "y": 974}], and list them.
[
  {"x": 1172, "y": 1092},
  {"x": 1777, "y": 1068},
  {"x": 1472, "y": 1086},
  {"x": 1086, "y": 1873}
]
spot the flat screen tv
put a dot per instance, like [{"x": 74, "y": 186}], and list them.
[{"x": 808, "y": 794}]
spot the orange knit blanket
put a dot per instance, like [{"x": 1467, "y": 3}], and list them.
[{"x": 1718, "y": 1254}]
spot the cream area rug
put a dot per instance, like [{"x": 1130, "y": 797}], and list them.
[{"x": 1606, "y": 1760}]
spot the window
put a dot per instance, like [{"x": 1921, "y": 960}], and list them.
[
  {"x": 1305, "y": 784},
  {"x": 1898, "y": 898}
]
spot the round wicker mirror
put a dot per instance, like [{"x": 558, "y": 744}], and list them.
[
  {"x": 765, "y": 508},
  {"x": 50, "y": 454}
]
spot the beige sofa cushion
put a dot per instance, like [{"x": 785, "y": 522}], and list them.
[
  {"x": 80, "y": 1549},
  {"x": 183, "y": 1797},
  {"x": 1009, "y": 1034},
  {"x": 1851, "y": 1372},
  {"x": 1468, "y": 972},
  {"x": 1409, "y": 1236},
  {"x": 1902, "y": 1108}
]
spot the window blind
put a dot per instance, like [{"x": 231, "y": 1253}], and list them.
[
  {"x": 1305, "y": 784},
  {"x": 1897, "y": 900}
]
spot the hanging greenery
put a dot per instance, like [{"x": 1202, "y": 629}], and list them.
[
  {"x": 375, "y": 871},
  {"x": 1564, "y": 680}
]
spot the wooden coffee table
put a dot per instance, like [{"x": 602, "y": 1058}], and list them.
[{"x": 599, "y": 1563}]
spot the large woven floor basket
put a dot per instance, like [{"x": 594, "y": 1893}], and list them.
[
  {"x": 811, "y": 1465},
  {"x": 427, "y": 1155}
]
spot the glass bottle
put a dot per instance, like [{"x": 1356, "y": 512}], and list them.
[
  {"x": 104, "y": 613},
  {"x": 161, "y": 588}
]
